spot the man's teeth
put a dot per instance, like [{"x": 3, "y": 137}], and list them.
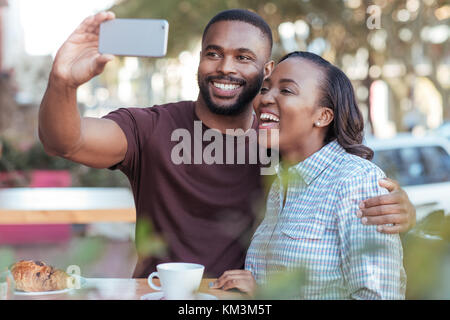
[
  {"x": 224, "y": 86},
  {"x": 269, "y": 117}
]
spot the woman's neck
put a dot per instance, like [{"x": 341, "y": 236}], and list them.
[{"x": 301, "y": 151}]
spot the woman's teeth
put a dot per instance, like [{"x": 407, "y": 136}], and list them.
[
  {"x": 269, "y": 117},
  {"x": 224, "y": 86}
]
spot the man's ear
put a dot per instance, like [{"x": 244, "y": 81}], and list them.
[
  {"x": 268, "y": 68},
  {"x": 325, "y": 117}
]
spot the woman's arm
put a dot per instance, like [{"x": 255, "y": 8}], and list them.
[{"x": 372, "y": 262}]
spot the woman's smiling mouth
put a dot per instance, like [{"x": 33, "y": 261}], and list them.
[{"x": 268, "y": 120}]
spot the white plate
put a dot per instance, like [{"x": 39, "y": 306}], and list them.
[
  {"x": 160, "y": 296},
  {"x": 38, "y": 293}
]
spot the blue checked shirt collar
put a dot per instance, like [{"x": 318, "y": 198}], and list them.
[{"x": 310, "y": 168}]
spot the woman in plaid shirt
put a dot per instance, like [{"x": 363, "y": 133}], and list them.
[{"x": 312, "y": 215}]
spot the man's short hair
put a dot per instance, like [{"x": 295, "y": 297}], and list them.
[{"x": 244, "y": 16}]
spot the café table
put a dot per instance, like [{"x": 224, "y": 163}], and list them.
[
  {"x": 123, "y": 289},
  {"x": 66, "y": 205}
]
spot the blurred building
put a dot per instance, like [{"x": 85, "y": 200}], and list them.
[
  {"x": 11, "y": 37},
  {"x": 24, "y": 78},
  {"x": 141, "y": 82}
]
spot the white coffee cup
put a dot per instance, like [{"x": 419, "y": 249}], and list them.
[{"x": 179, "y": 281}]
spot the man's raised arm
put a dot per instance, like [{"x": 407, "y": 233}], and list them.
[{"x": 98, "y": 143}]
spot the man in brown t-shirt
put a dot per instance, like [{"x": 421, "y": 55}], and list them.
[{"x": 205, "y": 213}]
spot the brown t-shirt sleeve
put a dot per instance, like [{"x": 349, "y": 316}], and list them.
[{"x": 132, "y": 121}]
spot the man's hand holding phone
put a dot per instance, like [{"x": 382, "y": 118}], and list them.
[
  {"x": 78, "y": 60},
  {"x": 95, "y": 142}
]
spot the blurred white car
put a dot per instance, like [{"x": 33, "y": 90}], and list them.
[
  {"x": 443, "y": 130},
  {"x": 422, "y": 167}
]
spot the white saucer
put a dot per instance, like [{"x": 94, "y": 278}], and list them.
[
  {"x": 160, "y": 296},
  {"x": 38, "y": 293}
]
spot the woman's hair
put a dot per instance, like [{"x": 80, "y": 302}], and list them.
[{"x": 336, "y": 93}]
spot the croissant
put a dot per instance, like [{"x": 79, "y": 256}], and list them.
[{"x": 36, "y": 276}]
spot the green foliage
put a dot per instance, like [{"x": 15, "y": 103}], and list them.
[
  {"x": 35, "y": 158},
  {"x": 344, "y": 28},
  {"x": 11, "y": 157},
  {"x": 283, "y": 285},
  {"x": 82, "y": 252},
  {"x": 14, "y": 159},
  {"x": 90, "y": 177},
  {"x": 188, "y": 18},
  {"x": 426, "y": 257},
  {"x": 6, "y": 258},
  {"x": 148, "y": 243}
]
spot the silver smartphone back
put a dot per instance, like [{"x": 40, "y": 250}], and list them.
[{"x": 134, "y": 37}]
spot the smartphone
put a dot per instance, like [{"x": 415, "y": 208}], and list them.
[{"x": 134, "y": 37}]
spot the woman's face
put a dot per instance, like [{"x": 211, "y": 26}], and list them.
[{"x": 287, "y": 102}]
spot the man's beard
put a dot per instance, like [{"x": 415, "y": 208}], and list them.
[{"x": 251, "y": 89}]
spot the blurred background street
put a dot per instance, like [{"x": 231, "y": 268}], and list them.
[{"x": 397, "y": 54}]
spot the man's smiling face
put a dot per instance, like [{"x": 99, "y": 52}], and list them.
[{"x": 232, "y": 66}]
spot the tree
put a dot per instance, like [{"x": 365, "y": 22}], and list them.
[{"x": 344, "y": 24}]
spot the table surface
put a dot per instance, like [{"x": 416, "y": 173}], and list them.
[
  {"x": 123, "y": 289},
  {"x": 66, "y": 205}
]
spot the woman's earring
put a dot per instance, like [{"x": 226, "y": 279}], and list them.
[{"x": 317, "y": 124}]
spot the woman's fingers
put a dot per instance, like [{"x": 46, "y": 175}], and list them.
[
  {"x": 243, "y": 281},
  {"x": 231, "y": 275},
  {"x": 242, "y": 284},
  {"x": 223, "y": 278}
]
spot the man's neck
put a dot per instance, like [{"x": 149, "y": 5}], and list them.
[{"x": 243, "y": 120}]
